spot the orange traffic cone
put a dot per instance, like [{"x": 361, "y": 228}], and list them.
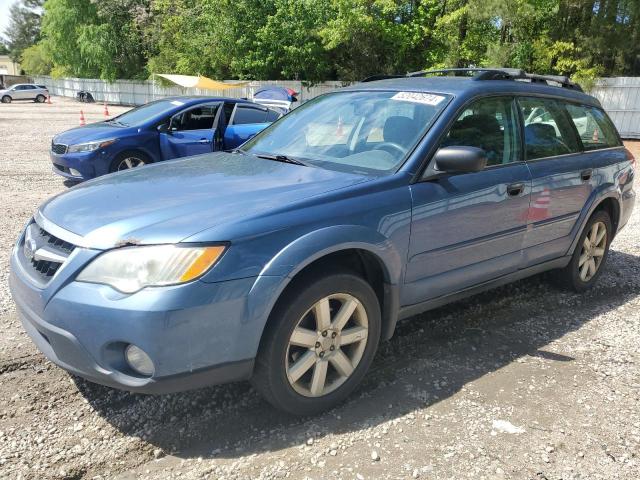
[
  {"x": 82, "y": 122},
  {"x": 49, "y": 99},
  {"x": 595, "y": 137},
  {"x": 106, "y": 110}
]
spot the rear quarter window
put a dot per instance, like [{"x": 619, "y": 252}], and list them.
[
  {"x": 594, "y": 127},
  {"x": 547, "y": 129}
]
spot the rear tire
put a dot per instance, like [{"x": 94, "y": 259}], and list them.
[
  {"x": 6, "y": 99},
  {"x": 319, "y": 344},
  {"x": 590, "y": 255},
  {"x": 40, "y": 99}
]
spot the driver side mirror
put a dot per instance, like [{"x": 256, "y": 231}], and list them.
[
  {"x": 460, "y": 159},
  {"x": 163, "y": 128}
]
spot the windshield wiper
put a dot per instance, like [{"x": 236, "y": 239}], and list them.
[{"x": 281, "y": 158}]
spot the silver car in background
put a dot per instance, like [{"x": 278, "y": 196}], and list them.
[{"x": 24, "y": 91}]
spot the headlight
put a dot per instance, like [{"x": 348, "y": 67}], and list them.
[
  {"x": 133, "y": 268},
  {"x": 90, "y": 146}
]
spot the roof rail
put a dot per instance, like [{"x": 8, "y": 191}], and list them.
[
  {"x": 374, "y": 78},
  {"x": 490, "y": 74}
]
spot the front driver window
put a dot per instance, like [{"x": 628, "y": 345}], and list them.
[
  {"x": 198, "y": 118},
  {"x": 489, "y": 124}
]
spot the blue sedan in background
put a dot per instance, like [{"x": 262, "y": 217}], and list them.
[{"x": 160, "y": 130}]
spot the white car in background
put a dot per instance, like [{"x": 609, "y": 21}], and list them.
[{"x": 24, "y": 91}]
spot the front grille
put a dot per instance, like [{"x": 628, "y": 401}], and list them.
[
  {"x": 44, "y": 252},
  {"x": 58, "y": 148}
]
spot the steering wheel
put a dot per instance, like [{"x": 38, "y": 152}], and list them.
[{"x": 391, "y": 147}]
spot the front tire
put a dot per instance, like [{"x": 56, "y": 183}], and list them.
[
  {"x": 590, "y": 255},
  {"x": 6, "y": 99},
  {"x": 321, "y": 340}
]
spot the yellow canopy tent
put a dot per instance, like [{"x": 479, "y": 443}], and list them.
[{"x": 190, "y": 81}]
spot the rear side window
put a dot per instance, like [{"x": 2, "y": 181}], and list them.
[
  {"x": 593, "y": 126},
  {"x": 490, "y": 124},
  {"x": 248, "y": 115},
  {"x": 547, "y": 129}
]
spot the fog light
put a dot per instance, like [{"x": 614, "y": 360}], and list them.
[
  {"x": 139, "y": 361},
  {"x": 75, "y": 172}
]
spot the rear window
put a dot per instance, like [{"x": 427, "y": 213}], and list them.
[{"x": 594, "y": 127}]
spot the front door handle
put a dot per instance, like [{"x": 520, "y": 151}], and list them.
[
  {"x": 204, "y": 140},
  {"x": 586, "y": 174},
  {"x": 515, "y": 189}
]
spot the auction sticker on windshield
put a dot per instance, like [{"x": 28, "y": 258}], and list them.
[{"x": 417, "y": 97}]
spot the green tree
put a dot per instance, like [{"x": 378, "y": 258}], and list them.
[
  {"x": 93, "y": 39},
  {"x": 338, "y": 39},
  {"x": 34, "y": 61}
]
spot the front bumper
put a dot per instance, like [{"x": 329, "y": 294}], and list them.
[
  {"x": 88, "y": 164},
  {"x": 197, "y": 334}
]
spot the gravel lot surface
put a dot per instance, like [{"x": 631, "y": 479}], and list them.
[{"x": 523, "y": 382}]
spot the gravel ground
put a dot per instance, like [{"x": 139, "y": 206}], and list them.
[{"x": 523, "y": 382}]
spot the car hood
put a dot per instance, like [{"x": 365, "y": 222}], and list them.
[
  {"x": 171, "y": 201},
  {"x": 88, "y": 133}
]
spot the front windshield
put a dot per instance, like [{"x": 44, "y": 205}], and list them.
[
  {"x": 361, "y": 132},
  {"x": 144, "y": 113}
]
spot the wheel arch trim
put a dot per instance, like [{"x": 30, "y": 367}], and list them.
[
  {"x": 598, "y": 197},
  {"x": 305, "y": 250}
]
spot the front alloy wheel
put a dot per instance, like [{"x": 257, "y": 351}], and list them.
[
  {"x": 130, "y": 162},
  {"x": 327, "y": 345},
  {"x": 319, "y": 342}
]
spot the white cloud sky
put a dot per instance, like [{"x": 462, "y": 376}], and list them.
[{"x": 4, "y": 14}]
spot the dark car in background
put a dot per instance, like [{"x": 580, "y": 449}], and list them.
[{"x": 160, "y": 130}]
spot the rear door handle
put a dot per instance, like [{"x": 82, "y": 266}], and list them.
[
  {"x": 586, "y": 174},
  {"x": 515, "y": 189},
  {"x": 204, "y": 140}
]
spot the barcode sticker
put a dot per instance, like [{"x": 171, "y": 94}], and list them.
[{"x": 417, "y": 97}]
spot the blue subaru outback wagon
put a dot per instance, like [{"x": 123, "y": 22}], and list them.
[{"x": 288, "y": 260}]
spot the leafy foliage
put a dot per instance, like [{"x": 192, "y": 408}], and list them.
[
  {"x": 334, "y": 39},
  {"x": 34, "y": 61}
]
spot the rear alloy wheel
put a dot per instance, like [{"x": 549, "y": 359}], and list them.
[
  {"x": 6, "y": 99},
  {"x": 592, "y": 251},
  {"x": 320, "y": 342},
  {"x": 590, "y": 254},
  {"x": 40, "y": 98}
]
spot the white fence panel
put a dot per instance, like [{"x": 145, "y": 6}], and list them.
[
  {"x": 620, "y": 97},
  {"x": 130, "y": 92}
]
